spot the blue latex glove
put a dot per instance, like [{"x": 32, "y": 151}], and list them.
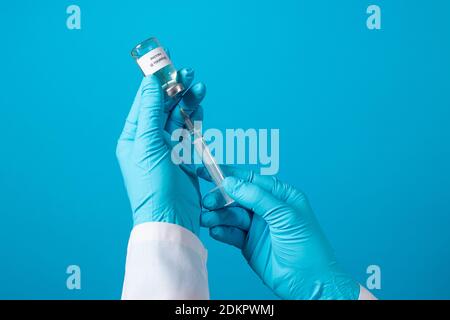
[
  {"x": 279, "y": 236},
  {"x": 159, "y": 190}
]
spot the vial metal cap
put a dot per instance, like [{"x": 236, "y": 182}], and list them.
[{"x": 172, "y": 91}]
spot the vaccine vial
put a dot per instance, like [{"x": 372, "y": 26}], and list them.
[{"x": 153, "y": 59}]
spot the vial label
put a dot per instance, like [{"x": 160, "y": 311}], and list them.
[{"x": 153, "y": 61}]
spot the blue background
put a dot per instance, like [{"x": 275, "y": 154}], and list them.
[{"x": 363, "y": 116}]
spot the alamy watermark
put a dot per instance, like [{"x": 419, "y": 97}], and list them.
[
  {"x": 73, "y": 21},
  {"x": 73, "y": 281},
  {"x": 374, "y": 20},
  {"x": 235, "y": 147},
  {"x": 374, "y": 280}
]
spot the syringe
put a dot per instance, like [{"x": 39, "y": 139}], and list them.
[{"x": 203, "y": 151}]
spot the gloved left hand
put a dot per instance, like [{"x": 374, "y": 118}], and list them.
[{"x": 158, "y": 189}]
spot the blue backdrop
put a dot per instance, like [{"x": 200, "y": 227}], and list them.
[{"x": 363, "y": 118}]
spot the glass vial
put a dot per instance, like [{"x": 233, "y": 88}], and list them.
[{"x": 153, "y": 59}]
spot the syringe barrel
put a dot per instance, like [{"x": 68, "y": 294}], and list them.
[
  {"x": 212, "y": 167},
  {"x": 203, "y": 151}
]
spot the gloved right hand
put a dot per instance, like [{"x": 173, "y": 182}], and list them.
[{"x": 279, "y": 236}]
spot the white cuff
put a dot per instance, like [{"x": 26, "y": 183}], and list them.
[
  {"x": 165, "y": 261},
  {"x": 168, "y": 233}
]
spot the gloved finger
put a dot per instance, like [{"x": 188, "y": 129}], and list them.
[
  {"x": 213, "y": 200},
  {"x": 189, "y": 169},
  {"x": 197, "y": 115},
  {"x": 256, "y": 199},
  {"x": 265, "y": 182},
  {"x": 232, "y": 217},
  {"x": 129, "y": 130},
  {"x": 204, "y": 174},
  {"x": 185, "y": 77},
  {"x": 282, "y": 191},
  {"x": 193, "y": 97},
  {"x": 189, "y": 103},
  {"x": 182, "y": 142},
  {"x": 177, "y": 143},
  {"x": 229, "y": 235},
  {"x": 149, "y": 141}
]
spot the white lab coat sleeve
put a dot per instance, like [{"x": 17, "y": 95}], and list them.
[{"x": 165, "y": 262}]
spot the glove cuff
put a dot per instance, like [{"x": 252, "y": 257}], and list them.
[{"x": 337, "y": 286}]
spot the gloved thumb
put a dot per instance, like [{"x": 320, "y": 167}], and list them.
[
  {"x": 149, "y": 134},
  {"x": 254, "y": 198}
]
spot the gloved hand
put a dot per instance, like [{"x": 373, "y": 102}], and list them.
[
  {"x": 159, "y": 190},
  {"x": 279, "y": 236}
]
